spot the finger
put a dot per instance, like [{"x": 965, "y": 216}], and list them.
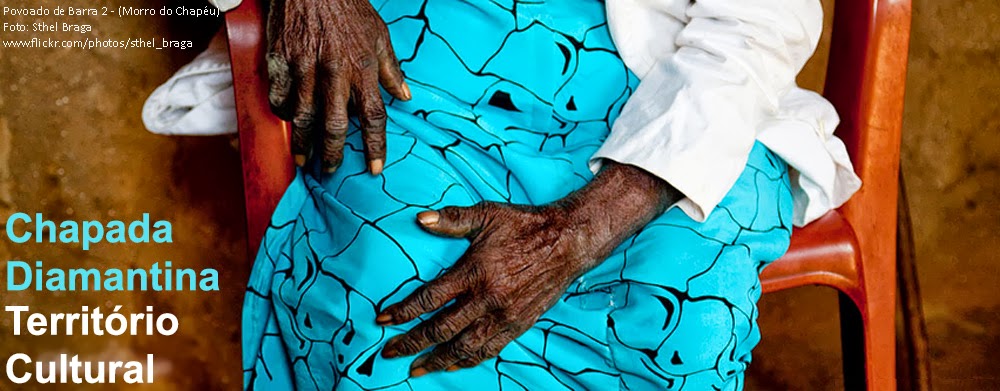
[
  {"x": 336, "y": 121},
  {"x": 425, "y": 299},
  {"x": 390, "y": 75},
  {"x": 489, "y": 350},
  {"x": 373, "y": 120},
  {"x": 442, "y": 327},
  {"x": 280, "y": 82},
  {"x": 466, "y": 345},
  {"x": 304, "y": 115},
  {"x": 456, "y": 221}
]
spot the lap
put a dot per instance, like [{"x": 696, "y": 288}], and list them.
[{"x": 660, "y": 311}]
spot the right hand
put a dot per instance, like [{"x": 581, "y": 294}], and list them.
[{"x": 321, "y": 55}]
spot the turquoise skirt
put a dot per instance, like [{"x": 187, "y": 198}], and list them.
[{"x": 510, "y": 100}]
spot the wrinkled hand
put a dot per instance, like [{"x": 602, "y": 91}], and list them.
[
  {"x": 520, "y": 261},
  {"x": 322, "y": 54}
]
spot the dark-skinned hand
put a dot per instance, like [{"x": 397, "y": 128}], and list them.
[
  {"x": 520, "y": 262},
  {"x": 321, "y": 56}
]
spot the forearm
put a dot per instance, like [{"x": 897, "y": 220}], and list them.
[{"x": 616, "y": 204}]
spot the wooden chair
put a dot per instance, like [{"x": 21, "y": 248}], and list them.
[{"x": 851, "y": 249}]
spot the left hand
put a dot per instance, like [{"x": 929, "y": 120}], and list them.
[{"x": 520, "y": 261}]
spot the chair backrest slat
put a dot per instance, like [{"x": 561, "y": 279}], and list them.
[
  {"x": 866, "y": 79},
  {"x": 264, "y": 139}
]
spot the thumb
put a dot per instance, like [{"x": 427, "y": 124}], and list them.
[{"x": 454, "y": 221}]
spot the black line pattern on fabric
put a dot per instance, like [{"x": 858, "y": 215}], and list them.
[{"x": 300, "y": 265}]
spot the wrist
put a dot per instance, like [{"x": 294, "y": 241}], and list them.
[{"x": 618, "y": 202}]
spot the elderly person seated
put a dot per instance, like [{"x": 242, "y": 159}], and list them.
[{"x": 547, "y": 194}]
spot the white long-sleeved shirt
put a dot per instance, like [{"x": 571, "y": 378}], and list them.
[{"x": 716, "y": 75}]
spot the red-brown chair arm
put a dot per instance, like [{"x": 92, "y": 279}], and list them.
[
  {"x": 264, "y": 139},
  {"x": 823, "y": 253}
]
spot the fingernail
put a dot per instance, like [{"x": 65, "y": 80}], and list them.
[
  {"x": 417, "y": 372},
  {"x": 406, "y": 92},
  {"x": 429, "y": 218},
  {"x": 375, "y": 166},
  {"x": 300, "y": 160},
  {"x": 454, "y": 368},
  {"x": 383, "y": 319}
]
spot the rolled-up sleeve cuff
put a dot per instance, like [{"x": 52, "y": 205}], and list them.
[{"x": 686, "y": 172}]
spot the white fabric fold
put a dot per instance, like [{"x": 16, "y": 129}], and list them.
[
  {"x": 197, "y": 99},
  {"x": 716, "y": 75},
  {"x": 225, "y": 5}
]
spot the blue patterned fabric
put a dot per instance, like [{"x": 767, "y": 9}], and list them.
[{"x": 510, "y": 99}]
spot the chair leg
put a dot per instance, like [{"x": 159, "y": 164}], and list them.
[
  {"x": 868, "y": 340},
  {"x": 852, "y": 342},
  {"x": 879, "y": 317}
]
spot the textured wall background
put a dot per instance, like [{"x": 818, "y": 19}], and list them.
[
  {"x": 951, "y": 159},
  {"x": 72, "y": 147}
]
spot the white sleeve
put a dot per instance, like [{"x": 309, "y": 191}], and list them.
[
  {"x": 724, "y": 68},
  {"x": 225, "y": 5}
]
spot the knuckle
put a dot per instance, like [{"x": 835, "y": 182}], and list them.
[
  {"x": 334, "y": 138},
  {"x": 510, "y": 319},
  {"x": 496, "y": 304},
  {"x": 367, "y": 63},
  {"x": 436, "y": 333},
  {"x": 485, "y": 209},
  {"x": 303, "y": 120},
  {"x": 382, "y": 45},
  {"x": 337, "y": 125},
  {"x": 476, "y": 273},
  {"x": 375, "y": 122},
  {"x": 485, "y": 205},
  {"x": 462, "y": 349},
  {"x": 375, "y": 116}
]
